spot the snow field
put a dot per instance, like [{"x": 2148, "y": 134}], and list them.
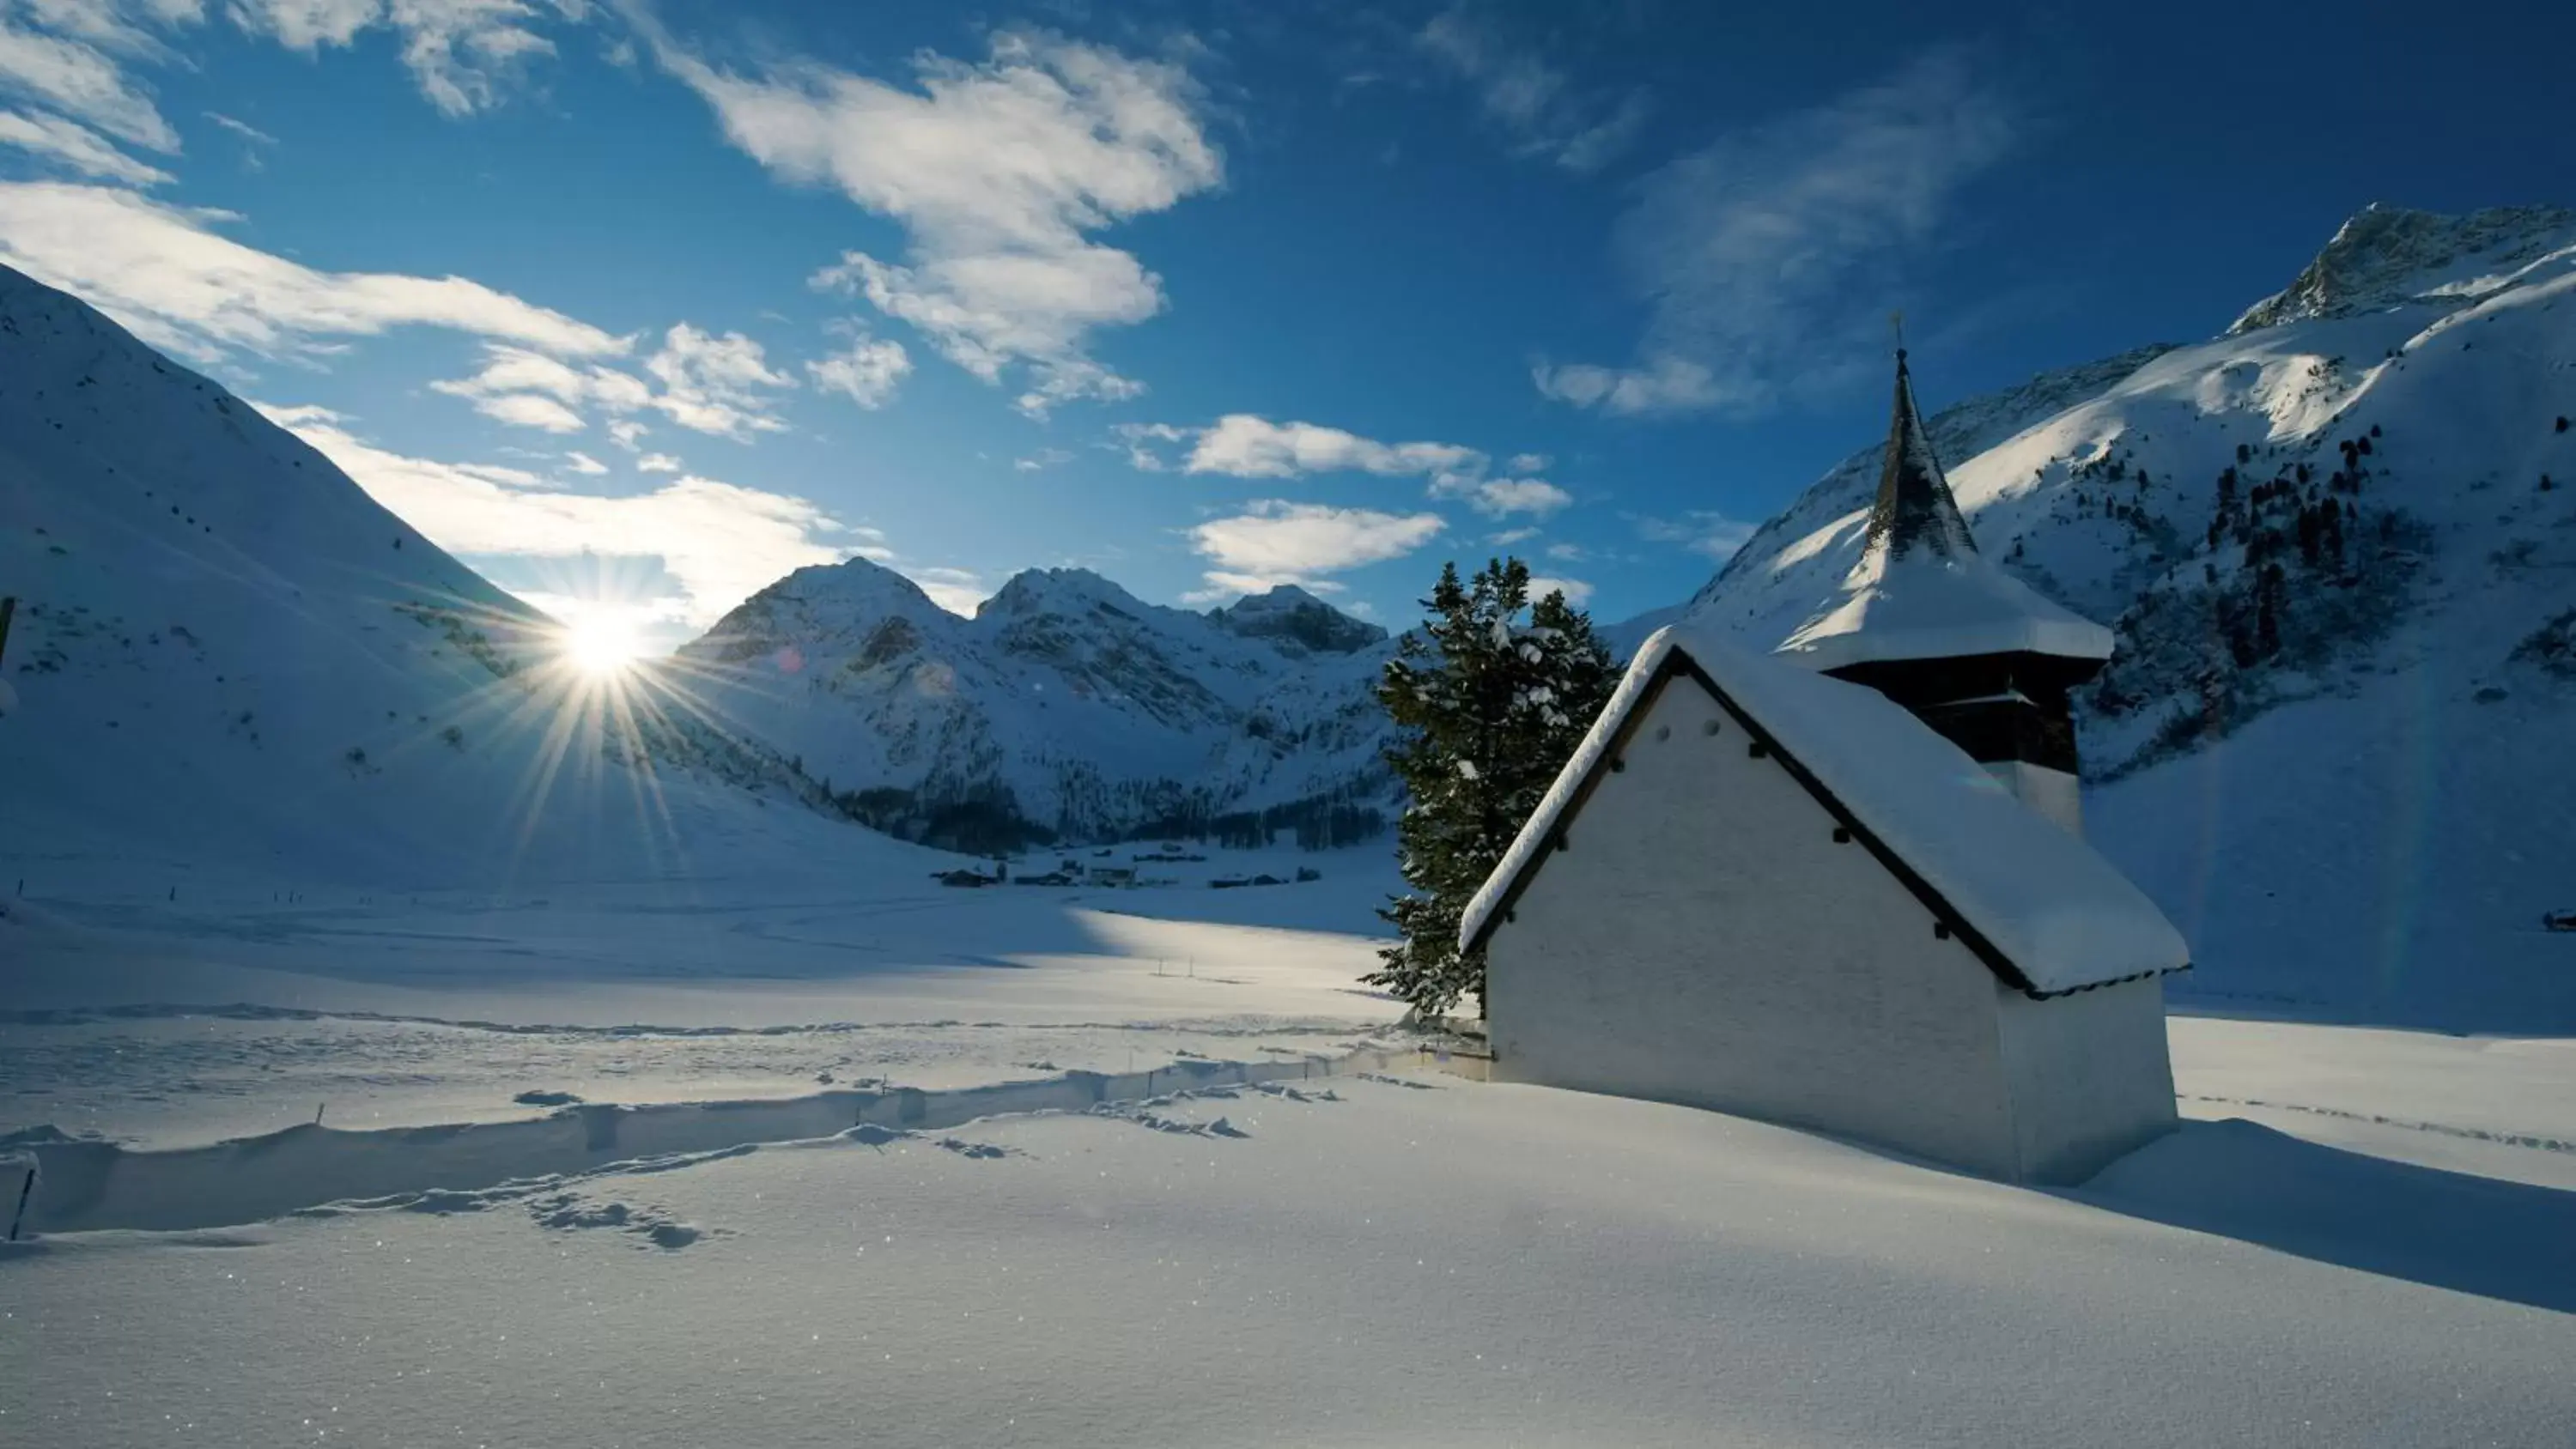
[{"x": 1422, "y": 1262}]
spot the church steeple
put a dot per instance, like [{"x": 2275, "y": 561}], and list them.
[
  {"x": 1914, "y": 508},
  {"x": 1926, "y": 620}
]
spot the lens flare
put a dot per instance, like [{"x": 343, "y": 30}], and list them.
[{"x": 602, "y": 643}]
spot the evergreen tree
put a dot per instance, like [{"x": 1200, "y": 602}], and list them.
[{"x": 1490, "y": 709}]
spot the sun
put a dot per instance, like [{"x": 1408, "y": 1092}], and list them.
[{"x": 602, "y": 643}]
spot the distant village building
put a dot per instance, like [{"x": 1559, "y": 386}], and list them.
[
  {"x": 1811, "y": 895},
  {"x": 1931, "y": 623}
]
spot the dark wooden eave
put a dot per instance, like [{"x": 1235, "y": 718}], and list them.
[{"x": 1678, "y": 664}]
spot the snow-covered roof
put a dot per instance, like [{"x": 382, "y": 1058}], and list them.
[
  {"x": 1921, "y": 590},
  {"x": 2038, "y": 906},
  {"x": 1926, "y": 606}
]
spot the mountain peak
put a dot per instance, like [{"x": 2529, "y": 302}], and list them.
[
  {"x": 1037, "y": 591},
  {"x": 2387, "y": 255},
  {"x": 1289, "y": 616}
]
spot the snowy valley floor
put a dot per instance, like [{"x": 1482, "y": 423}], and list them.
[{"x": 2364, "y": 1237}]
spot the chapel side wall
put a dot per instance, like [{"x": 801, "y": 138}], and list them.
[
  {"x": 2091, "y": 1073},
  {"x": 1706, "y": 941},
  {"x": 2053, "y": 793}
]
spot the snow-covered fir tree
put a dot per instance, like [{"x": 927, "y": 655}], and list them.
[{"x": 1490, "y": 706}]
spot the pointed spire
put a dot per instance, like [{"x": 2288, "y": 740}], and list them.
[{"x": 1914, "y": 508}]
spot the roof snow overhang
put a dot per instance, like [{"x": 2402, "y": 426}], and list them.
[{"x": 2037, "y": 963}]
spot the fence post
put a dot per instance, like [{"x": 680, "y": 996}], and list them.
[{"x": 26, "y": 1190}]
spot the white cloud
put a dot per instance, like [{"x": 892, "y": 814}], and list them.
[
  {"x": 1042, "y": 459},
  {"x": 584, "y": 464},
  {"x": 1701, "y": 531},
  {"x": 657, "y": 463},
  {"x": 74, "y": 73},
  {"x": 1769, "y": 256},
  {"x": 243, "y": 129},
  {"x": 530, "y": 410},
  {"x": 74, "y": 145},
  {"x": 1575, "y": 590},
  {"x": 721, "y": 542},
  {"x": 998, "y": 171},
  {"x": 1529, "y": 462},
  {"x": 1497, "y": 497},
  {"x": 714, "y": 384},
  {"x": 627, "y": 433},
  {"x": 1510, "y": 536},
  {"x": 1274, "y": 541},
  {"x": 866, "y": 374},
  {"x": 1244, "y": 446},
  {"x": 1567, "y": 552},
  {"x": 1545, "y": 114},
  {"x": 1662, "y": 384},
  {"x": 461, "y": 53},
  {"x": 958, "y": 591},
  {"x": 1136, "y": 440},
  {"x": 709, "y": 384},
  {"x": 163, "y": 273}
]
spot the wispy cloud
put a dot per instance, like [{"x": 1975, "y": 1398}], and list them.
[
  {"x": 1244, "y": 445},
  {"x": 77, "y": 147},
  {"x": 584, "y": 464},
  {"x": 164, "y": 273},
  {"x": 720, "y": 541},
  {"x": 244, "y": 129},
  {"x": 1771, "y": 255},
  {"x": 1274, "y": 541},
  {"x": 71, "y": 62},
  {"x": 1138, "y": 440},
  {"x": 462, "y": 54},
  {"x": 1041, "y": 460},
  {"x": 866, "y": 373},
  {"x": 956, "y": 590},
  {"x": 999, "y": 170},
  {"x": 659, "y": 463},
  {"x": 1545, "y": 114},
  {"x": 1711, "y": 534},
  {"x": 720, "y": 384}
]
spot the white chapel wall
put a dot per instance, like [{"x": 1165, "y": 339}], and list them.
[
  {"x": 2092, "y": 1076},
  {"x": 1706, "y": 941}
]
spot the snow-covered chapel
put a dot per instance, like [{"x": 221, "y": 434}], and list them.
[{"x": 1833, "y": 886}]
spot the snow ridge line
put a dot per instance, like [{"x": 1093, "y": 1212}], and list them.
[
  {"x": 2533, "y": 1141},
  {"x": 253, "y": 1011},
  {"x": 86, "y": 1186}
]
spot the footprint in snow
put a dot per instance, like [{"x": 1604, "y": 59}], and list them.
[{"x": 569, "y": 1212}]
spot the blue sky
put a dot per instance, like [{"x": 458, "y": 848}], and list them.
[{"x": 655, "y": 301}]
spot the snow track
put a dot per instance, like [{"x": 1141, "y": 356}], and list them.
[{"x": 87, "y": 1186}]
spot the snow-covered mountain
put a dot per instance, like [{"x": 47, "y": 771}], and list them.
[
  {"x": 2338, "y": 546},
  {"x": 225, "y": 652},
  {"x": 1065, "y": 706}
]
